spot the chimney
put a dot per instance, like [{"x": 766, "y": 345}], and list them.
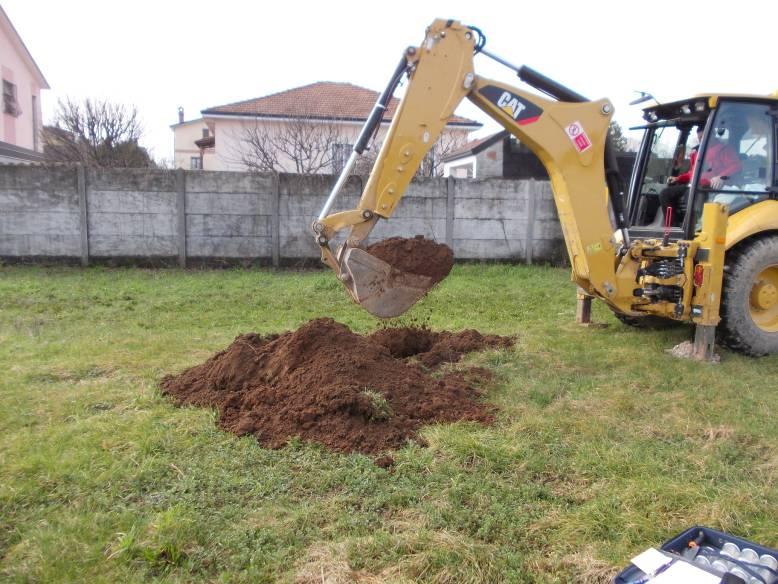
[{"x": 180, "y": 115}]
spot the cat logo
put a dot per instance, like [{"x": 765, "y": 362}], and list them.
[
  {"x": 520, "y": 110},
  {"x": 510, "y": 104}
]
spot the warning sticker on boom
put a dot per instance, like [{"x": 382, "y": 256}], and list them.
[{"x": 577, "y": 134}]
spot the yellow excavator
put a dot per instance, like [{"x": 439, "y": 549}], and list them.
[{"x": 708, "y": 255}]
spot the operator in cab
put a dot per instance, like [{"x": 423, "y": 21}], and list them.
[
  {"x": 678, "y": 186},
  {"x": 721, "y": 162}
]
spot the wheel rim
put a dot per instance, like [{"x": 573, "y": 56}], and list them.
[{"x": 763, "y": 300}]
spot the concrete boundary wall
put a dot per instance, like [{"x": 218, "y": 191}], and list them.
[{"x": 85, "y": 215}]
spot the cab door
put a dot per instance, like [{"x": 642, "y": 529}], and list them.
[
  {"x": 664, "y": 153},
  {"x": 737, "y": 160}
]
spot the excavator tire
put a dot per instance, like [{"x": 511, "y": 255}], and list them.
[
  {"x": 749, "y": 298},
  {"x": 653, "y": 323}
]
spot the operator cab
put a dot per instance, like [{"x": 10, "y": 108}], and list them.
[{"x": 739, "y": 136}]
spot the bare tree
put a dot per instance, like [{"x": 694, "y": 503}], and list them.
[
  {"x": 302, "y": 146},
  {"x": 448, "y": 143},
  {"x": 95, "y": 133},
  {"x": 366, "y": 161},
  {"x": 306, "y": 146}
]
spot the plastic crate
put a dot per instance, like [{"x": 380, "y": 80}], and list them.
[{"x": 679, "y": 544}]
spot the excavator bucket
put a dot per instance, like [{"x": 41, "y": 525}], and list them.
[{"x": 379, "y": 288}]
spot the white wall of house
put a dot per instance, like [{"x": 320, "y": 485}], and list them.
[
  {"x": 229, "y": 132},
  {"x": 486, "y": 164},
  {"x": 184, "y": 136},
  {"x": 461, "y": 168},
  {"x": 21, "y": 78}
]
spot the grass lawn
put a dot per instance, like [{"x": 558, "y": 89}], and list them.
[{"x": 604, "y": 444}]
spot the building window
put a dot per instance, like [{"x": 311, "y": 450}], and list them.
[
  {"x": 205, "y": 132},
  {"x": 196, "y": 163},
  {"x": 465, "y": 171},
  {"x": 10, "y": 105},
  {"x": 340, "y": 154}
]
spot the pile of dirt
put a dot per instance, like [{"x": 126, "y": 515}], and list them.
[
  {"x": 416, "y": 255},
  {"x": 329, "y": 385}
]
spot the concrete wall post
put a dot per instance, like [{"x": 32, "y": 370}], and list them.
[
  {"x": 450, "y": 203},
  {"x": 275, "y": 221},
  {"x": 83, "y": 213},
  {"x": 181, "y": 215},
  {"x": 529, "y": 242}
]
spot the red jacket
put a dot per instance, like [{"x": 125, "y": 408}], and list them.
[
  {"x": 686, "y": 177},
  {"x": 720, "y": 160}
]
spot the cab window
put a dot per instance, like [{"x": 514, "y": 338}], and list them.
[{"x": 735, "y": 168}]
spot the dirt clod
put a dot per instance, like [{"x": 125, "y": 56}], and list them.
[
  {"x": 416, "y": 255},
  {"x": 385, "y": 461},
  {"x": 326, "y": 384}
]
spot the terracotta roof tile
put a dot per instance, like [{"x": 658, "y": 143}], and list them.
[{"x": 322, "y": 100}]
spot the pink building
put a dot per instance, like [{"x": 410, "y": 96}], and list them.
[{"x": 20, "y": 124}]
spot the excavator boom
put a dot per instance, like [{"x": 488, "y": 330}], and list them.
[{"x": 568, "y": 137}]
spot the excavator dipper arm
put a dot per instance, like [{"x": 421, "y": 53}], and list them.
[{"x": 568, "y": 137}]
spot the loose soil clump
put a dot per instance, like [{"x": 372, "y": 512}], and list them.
[
  {"x": 323, "y": 383},
  {"x": 416, "y": 255}
]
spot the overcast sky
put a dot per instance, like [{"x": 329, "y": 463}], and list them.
[{"x": 163, "y": 54}]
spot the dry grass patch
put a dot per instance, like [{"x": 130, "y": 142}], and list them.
[
  {"x": 328, "y": 564},
  {"x": 588, "y": 569},
  {"x": 769, "y": 468},
  {"x": 713, "y": 434},
  {"x": 581, "y": 567}
]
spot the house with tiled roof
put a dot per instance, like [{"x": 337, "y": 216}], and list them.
[
  {"x": 20, "y": 123},
  {"x": 265, "y": 132}
]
